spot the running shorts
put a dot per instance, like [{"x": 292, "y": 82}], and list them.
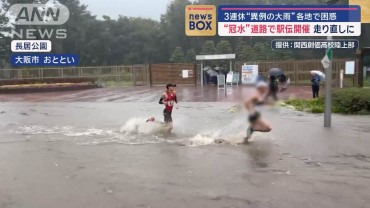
[
  {"x": 254, "y": 117},
  {"x": 167, "y": 116}
]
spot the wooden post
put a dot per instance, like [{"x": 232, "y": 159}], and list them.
[
  {"x": 195, "y": 74},
  {"x": 150, "y": 75},
  {"x": 360, "y": 76},
  {"x": 295, "y": 74},
  {"x": 119, "y": 76},
  {"x": 201, "y": 73}
]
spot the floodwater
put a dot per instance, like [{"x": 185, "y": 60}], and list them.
[{"x": 58, "y": 154}]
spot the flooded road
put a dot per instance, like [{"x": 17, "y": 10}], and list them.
[
  {"x": 55, "y": 154},
  {"x": 148, "y": 94}
]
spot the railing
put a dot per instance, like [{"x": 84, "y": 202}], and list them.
[
  {"x": 298, "y": 71},
  {"x": 118, "y": 75}
]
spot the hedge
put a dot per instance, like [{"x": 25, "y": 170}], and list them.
[
  {"x": 352, "y": 101},
  {"x": 346, "y": 101}
]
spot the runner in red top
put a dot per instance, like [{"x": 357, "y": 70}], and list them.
[{"x": 168, "y": 98}]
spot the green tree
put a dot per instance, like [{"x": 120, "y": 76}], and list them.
[
  {"x": 250, "y": 53},
  {"x": 284, "y": 55},
  {"x": 224, "y": 47},
  {"x": 5, "y": 27},
  {"x": 240, "y": 50},
  {"x": 263, "y": 52},
  {"x": 244, "y": 52},
  {"x": 172, "y": 25},
  {"x": 4, "y": 36},
  {"x": 208, "y": 48},
  {"x": 190, "y": 56},
  {"x": 178, "y": 56}
]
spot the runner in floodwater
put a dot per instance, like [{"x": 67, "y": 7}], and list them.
[
  {"x": 253, "y": 105},
  {"x": 168, "y": 98}
]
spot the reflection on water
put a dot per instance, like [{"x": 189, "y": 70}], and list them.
[{"x": 261, "y": 152}]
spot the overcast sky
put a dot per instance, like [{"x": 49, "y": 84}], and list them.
[{"x": 133, "y": 8}]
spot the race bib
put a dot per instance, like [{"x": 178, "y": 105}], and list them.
[{"x": 170, "y": 103}]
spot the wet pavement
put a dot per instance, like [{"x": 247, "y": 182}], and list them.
[
  {"x": 104, "y": 154},
  {"x": 148, "y": 94}
]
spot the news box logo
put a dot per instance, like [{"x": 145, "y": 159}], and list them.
[
  {"x": 201, "y": 20},
  {"x": 365, "y": 9}
]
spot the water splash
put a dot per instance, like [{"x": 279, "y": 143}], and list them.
[
  {"x": 140, "y": 126},
  {"x": 137, "y": 131},
  {"x": 233, "y": 133}
]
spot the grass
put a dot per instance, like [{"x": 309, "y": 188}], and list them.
[
  {"x": 307, "y": 105},
  {"x": 119, "y": 84},
  {"x": 345, "y": 101},
  {"x": 39, "y": 85},
  {"x": 367, "y": 82}
]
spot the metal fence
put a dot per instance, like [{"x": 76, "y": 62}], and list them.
[
  {"x": 118, "y": 75},
  {"x": 298, "y": 71}
]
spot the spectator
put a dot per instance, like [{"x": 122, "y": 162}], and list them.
[{"x": 315, "y": 85}]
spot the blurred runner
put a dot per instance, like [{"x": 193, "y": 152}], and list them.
[
  {"x": 254, "y": 105},
  {"x": 273, "y": 87}
]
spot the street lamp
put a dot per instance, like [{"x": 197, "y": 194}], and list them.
[{"x": 328, "y": 81}]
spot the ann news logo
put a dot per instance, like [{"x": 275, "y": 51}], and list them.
[
  {"x": 200, "y": 20},
  {"x": 40, "y": 15}
]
